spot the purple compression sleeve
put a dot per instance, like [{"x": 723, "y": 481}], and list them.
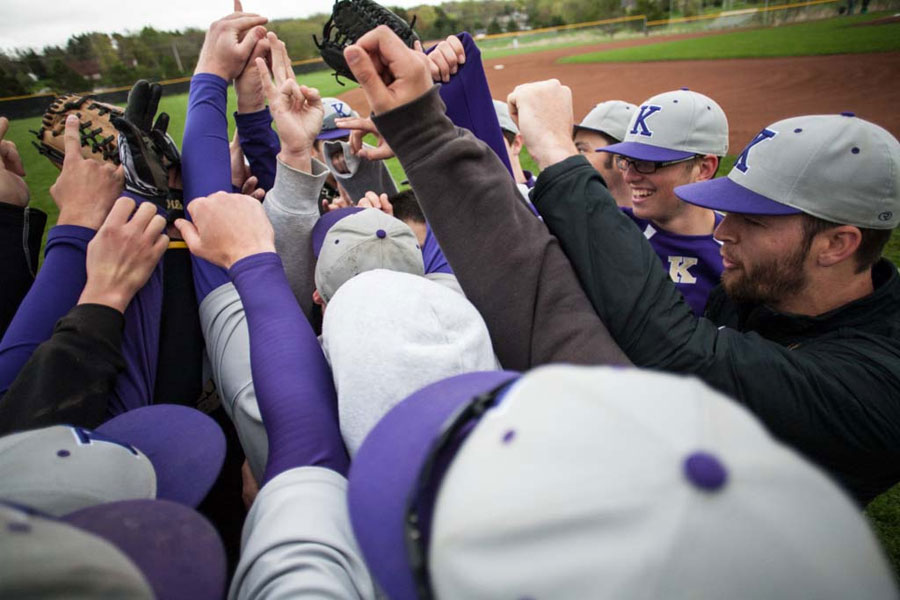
[
  {"x": 435, "y": 261},
  {"x": 54, "y": 292},
  {"x": 469, "y": 102},
  {"x": 260, "y": 145},
  {"x": 293, "y": 382},
  {"x": 206, "y": 161}
]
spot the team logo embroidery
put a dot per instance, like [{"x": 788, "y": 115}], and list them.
[
  {"x": 640, "y": 122},
  {"x": 741, "y": 163},
  {"x": 341, "y": 109},
  {"x": 87, "y": 438},
  {"x": 679, "y": 269}
]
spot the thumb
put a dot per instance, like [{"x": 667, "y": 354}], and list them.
[
  {"x": 366, "y": 74},
  {"x": 247, "y": 45},
  {"x": 190, "y": 235}
]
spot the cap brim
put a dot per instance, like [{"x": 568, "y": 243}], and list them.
[
  {"x": 177, "y": 550},
  {"x": 332, "y": 134},
  {"x": 386, "y": 469},
  {"x": 326, "y": 222},
  {"x": 186, "y": 447},
  {"x": 639, "y": 151},
  {"x": 725, "y": 195}
]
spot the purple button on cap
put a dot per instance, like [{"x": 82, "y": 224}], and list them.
[
  {"x": 847, "y": 113},
  {"x": 705, "y": 471},
  {"x": 381, "y": 233}
]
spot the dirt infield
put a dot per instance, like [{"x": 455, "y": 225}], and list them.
[{"x": 753, "y": 92}]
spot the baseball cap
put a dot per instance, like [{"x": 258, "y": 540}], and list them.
[
  {"x": 604, "y": 482},
  {"x": 611, "y": 117},
  {"x": 129, "y": 549},
  {"x": 674, "y": 126},
  {"x": 334, "y": 109},
  {"x": 160, "y": 451},
  {"x": 506, "y": 122},
  {"x": 361, "y": 241},
  {"x": 836, "y": 167}
]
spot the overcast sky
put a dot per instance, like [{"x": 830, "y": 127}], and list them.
[{"x": 38, "y": 23}]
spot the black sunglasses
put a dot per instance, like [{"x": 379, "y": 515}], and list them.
[
  {"x": 646, "y": 167},
  {"x": 416, "y": 544}
]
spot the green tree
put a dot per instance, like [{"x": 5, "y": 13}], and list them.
[{"x": 494, "y": 27}]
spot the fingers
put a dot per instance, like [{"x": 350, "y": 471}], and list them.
[
  {"x": 4, "y": 127},
  {"x": 286, "y": 62},
  {"x": 237, "y": 6},
  {"x": 72, "y": 140},
  {"x": 10, "y": 159},
  {"x": 120, "y": 211},
  {"x": 367, "y": 75},
  {"x": 190, "y": 235},
  {"x": 250, "y": 185},
  {"x": 380, "y": 152},
  {"x": 248, "y": 44},
  {"x": 265, "y": 79},
  {"x": 456, "y": 47}
]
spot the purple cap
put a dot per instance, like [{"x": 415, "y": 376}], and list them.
[
  {"x": 186, "y": 447},
  {"x": 639, "y": 151},
  {"x": 725, "y": 195},
  {"x": 325, "y": 222},
  {"x": 177, "y": 550},
  {"x": 386, "y": 469}
]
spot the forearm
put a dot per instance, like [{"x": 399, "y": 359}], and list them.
[
  {"x": 507, "y": 262},
  {"x": 54, "y": 292},
  {"x": 292, "y": 208},
  {"x": 70, "y": 377},
  {"x": 260, "y": 145},
  {"x": 293, "y": 382}
]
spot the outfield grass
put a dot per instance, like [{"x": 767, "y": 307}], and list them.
[{"x": 831, "y": 36}]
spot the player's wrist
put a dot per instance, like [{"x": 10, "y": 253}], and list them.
[
  {"x": 106, "y": 296},
  {"x": 297, "y": 159}
]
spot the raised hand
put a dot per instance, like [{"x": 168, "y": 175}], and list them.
[
  {"x": 85, "y": 189},
  {"x": 122, "y": 255},
  {"x": 359, "y": 127},
  {"x": 445, "y": 58},
  {"x": 247, "y": 85},
  {"x": 229, "y": 43},
  {"x": 543, "y": 111},
  {"x": 390, "y": 73},
  {"x": 13, "y": 189},
  {"x": 297, "y": 109},
  {"x": 227, "y": 228},
  {"x": 379, "y": 201}
]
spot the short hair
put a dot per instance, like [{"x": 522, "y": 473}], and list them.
[
  {"x": 870, "y": 247},
  {"x": 509, "y": 136},
  {"x": 406, "y": 207}
]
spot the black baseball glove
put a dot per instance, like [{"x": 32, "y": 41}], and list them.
[{"x": 349, "y": 21}]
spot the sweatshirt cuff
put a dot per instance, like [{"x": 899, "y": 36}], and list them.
[
  {"x": 295, "y": 191},
  {"x": 549, "y": 176},
  {"x": 95, "y": 320}
]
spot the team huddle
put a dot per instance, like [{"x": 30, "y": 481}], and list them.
[{"x": 620, "y": 377}]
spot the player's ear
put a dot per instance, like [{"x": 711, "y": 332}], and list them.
[
  {"x": 317, "y": 298},
  {"x": 836, "y": 245},
  {"x": 706, "y": 167}
]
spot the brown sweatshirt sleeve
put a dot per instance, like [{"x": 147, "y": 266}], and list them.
[{"x": 511, "y": 268}]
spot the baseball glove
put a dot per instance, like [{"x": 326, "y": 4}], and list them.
[
  {"x": 99, "y": 137},
  {"x": 349, "y": 21}
]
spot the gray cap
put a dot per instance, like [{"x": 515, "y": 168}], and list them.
[
  {"x": 506, "y": 122},
  {"x": 366, "y": 240},
  {"x": 622, "y": 483},
  {"x": 334, "y": 109},
  {"x": 836, "y": 167},
  {"x": 611, "y": 118},
  {"x": 674, "y": 126}
]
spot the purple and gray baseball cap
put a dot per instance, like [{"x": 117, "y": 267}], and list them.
[
  {"x": 674, "y": 126},
  {"x": 161, "y": 451},
  {"x": 129, "y": 549},
  {"x": 334, "y": 109},
  {"x": 603, "y": 482},
  {"x": 836, "y": 167},
  {"x": 611, "y": 118}
]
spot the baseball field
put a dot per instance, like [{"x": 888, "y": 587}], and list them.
[{"x": 757, "y": 75}]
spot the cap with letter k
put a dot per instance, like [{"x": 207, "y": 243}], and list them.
[
  {"x": 675, "y": 126},
  {"x": 836, "y": 167}
]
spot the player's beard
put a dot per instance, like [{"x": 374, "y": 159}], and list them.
[{"x": 768, "y": 282}]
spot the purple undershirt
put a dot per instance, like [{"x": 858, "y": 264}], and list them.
[
  {"x": 260, "y": 145},
  {"x": 292, "y": 379}
]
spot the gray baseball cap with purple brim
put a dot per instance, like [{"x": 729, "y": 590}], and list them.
[
  {"x": 334, "y": 109},
  {"x": 674, "y": 126},
  {"x": 835, "y": 167}
]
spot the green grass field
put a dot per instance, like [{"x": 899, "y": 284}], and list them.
[
  {"x": 831, "y": 36},
  {"x": 812, "y": 38}
]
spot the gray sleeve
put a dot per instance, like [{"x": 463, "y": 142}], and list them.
[
  {"x": 292, "y": 207},
  {"x": 364, "y": 175},
  {"x": 227, "y": 339},
  {"x": 297, "y": 541}
]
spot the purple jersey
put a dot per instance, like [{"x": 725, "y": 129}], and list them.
[{"x": 693, "y": 261}]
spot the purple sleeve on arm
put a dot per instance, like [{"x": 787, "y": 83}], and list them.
[
  {"x": 206, "y": 161},
  {"x": 260, "y": 144},
  {"x": 293, "y": 382},
  {"x": 55, "y": 291},
  {"x": 435, "y": 262},
  {"x": 469, "y": 102}
]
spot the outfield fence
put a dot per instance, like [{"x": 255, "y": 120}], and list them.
[{"x": 762, "y": 13}]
